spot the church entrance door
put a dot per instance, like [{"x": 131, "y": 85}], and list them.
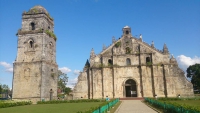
[{"x": 131, "y": 89}]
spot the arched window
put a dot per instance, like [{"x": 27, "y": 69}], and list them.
[
  {"x": 32, "y": 26},
  {"x": 31, "y": 44},
  {"x": 110, "y": 62},
  {"x": 128, "y": 61}
]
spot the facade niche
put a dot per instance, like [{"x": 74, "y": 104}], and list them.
[
  {"x": 148, "y": 61},
  {"x": 128, "y": 50},
  {"x": 128, "y": 61},
  {"x": 31, "y": 44},
  {"x": 110, "y": 62}
]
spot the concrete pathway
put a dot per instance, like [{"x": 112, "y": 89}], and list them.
[{"x": 134, "y": 106}]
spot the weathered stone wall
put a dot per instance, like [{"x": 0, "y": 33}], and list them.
[
  {"x": 35, "y": 68},
  {"x": 27, "y": 80},
  {"x": 129, "y": 58}
]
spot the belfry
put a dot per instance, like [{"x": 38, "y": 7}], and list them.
[{"x": 35, "y": 67}]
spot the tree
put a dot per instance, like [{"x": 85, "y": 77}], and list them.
[
  {"x": 4, "y": 88},
  {"x": 193, "y": 72},
  {"x": 62, "y": 80},
  {"x": 68, "y": 90},
  {"x": 1, "y": 89}
]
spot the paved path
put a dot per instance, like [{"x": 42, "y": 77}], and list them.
[{"x": 134, "y": 106}]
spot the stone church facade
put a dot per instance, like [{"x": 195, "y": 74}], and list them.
[
  {"x": 130, "y": 67},
  {"x": 35, "y": 67}
]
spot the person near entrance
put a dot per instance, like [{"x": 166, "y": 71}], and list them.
[{"x": 107, "y": 98}]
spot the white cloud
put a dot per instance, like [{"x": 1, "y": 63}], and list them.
[
  {"x": 184, "y": 61},
  {"x": 65, "y": 69},
  {"x": 71, "y": 82},
  {"x": 77, "y": 72},
  {"x": 8, "y": 67}
]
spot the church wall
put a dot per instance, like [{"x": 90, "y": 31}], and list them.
[
  {"x": 39, "y": 20},
  {"x": 108, "y": 82},
  {"x": 159, "y": 81},
  {"x": 25, "y": 52},
  {"x": 29, "y": 75},
  {"x": 122, "y": 74},
  {"x": 97, "y": 83},
  {"x": 147, "y": 81},
  {"x": 83, "y": 85},
  {"x": 49, "y": 80},
  {"x": 153, "y": 70}
]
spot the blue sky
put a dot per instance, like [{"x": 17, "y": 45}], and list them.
[{"x": 81, "y": 25}]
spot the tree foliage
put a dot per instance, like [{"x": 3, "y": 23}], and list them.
[
  {"x": 4, "y": 88},
  {"x": 62, "y": 82},
  {"x": 193, "y": 72}
]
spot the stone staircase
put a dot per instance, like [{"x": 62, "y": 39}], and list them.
[{"x": 132, "y": 98}]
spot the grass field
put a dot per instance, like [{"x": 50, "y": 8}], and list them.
[{"x": 51, "y": 108}]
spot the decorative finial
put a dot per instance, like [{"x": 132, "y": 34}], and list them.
[
  {"x": 141, "y": 37},
  {"x": 165, "y": 49},
  {"x": 113, "y": 39},
  {"x": 152, "y": 44},
  {"x": 92, "y": 54},
  {"x": 172, "y": 56},
  {"x": 104, "y": 47}
]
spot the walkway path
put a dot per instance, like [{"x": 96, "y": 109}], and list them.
[{"x": 134, "y": 106}]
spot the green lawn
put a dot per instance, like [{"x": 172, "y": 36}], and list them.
[
  {"x": 51, "y": 108},
  {"x": 188, "y": 102}
]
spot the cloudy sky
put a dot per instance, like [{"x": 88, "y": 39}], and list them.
[{"x": 81, "y": 25}]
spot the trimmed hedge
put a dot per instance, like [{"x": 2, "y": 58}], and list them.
[
  {"x": 12, "y": 104},
  {"x": 172, "y": 107},
  {"x": 69, "y": 101},
  {"x": 97, "y": 109}
]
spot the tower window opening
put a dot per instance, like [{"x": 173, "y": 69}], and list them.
[
  {"x": 127, "y": 32},
  {"x": 31, "y": 44},
  {"x": 50, "y": 45},
  {"x": 128, "y": 61},
  {"x": 49, "y": 27},
  {"x": 110, "y": 62},
  {"x": 32, "y": 26}
]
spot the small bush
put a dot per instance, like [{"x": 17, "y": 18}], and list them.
[
  {"x": 172, "y": 107},
  {"x": 13, "y": 103},
  {"x": 51, "y": 34},
  {"x": 69, "y": 101}
]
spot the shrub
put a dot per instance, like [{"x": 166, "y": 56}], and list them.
[
  {"x": 107, "y": 104},
  {"x": 51, "y": 34},
  {"x": 13, "y": 103},
  {"x": 172, "y": 107},
  {"x": 69, "y": 101},
  {"x": 118, "y": 44}
]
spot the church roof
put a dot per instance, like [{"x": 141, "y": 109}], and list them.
[
  {"x": 39, "y": 9},
  {"x": 126, "y": 27}
]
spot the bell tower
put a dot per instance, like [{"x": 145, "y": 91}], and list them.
[{"x": 35, "y": 67}]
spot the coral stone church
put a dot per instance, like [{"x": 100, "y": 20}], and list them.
[
  {"x": 127, "y": 68},
  {"x": 130, "y": 67}
]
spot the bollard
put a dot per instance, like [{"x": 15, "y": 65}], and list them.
[{"x": 99, "y": 109}]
